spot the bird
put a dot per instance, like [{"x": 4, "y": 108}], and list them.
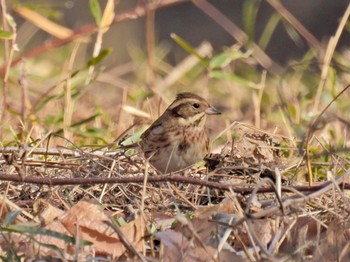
[{"x": 178, "y": 139}]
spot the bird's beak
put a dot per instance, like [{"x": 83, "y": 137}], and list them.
[{"x": 212, "y": 111}]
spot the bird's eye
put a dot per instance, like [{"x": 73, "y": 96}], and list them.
[{"x": 196, "y": 105}]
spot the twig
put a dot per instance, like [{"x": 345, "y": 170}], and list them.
[
  {"x": 157, "y": 179},
  {"x": 302, "y": 30},
  {"x": 332, "y": 44},
  {"x": 290, "y": 201},
  {"x": 126, "y": 242},
  {"x": 89, "y": 29},
  {"x": 305, "y": 198},
  {"x": 312, "y": 129},
  {"x": 65, "y": 152},
  {"x": 238, "y": 34}
]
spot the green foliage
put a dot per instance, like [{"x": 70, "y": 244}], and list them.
[
  {"x": 95, "y": 10},
  {"x": 32, "y": 231},
  {"x": 225, "y": 58},
  {"x": 5, "y": 34},
  {"x": 189, "y": 49},
  {"x": 250, "y": 10},
  {"x": 102, "y": 55},
  {"x": 293, "y": 34},
  {"x": 231, "y": 76},
  {"x": 268, "y": 30},
  {"x": 121, "y": 221}
]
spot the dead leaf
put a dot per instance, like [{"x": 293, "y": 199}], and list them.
[
  {"x": 46, "y": 213},
  {"x": 87, "y": 221},
  {"x": 263, "y": 229},
  {"x": 55, "y": 226},
  {"x": 227, "y": 206},
  {"x": 176, "y": 247},
  {"x": 303, "y": 231},
  {"x": 335, "y": 246}
]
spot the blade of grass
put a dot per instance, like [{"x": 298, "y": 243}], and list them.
[
  {"x": 32, "y": 230},
  {"x": 11, "y": 217},
  {"x": 188, "y": 48},
  {"x": 311, "y": 130},
  {"x": 95, "y": 10},
  {"x": 268, "y": 30},
  {"x": 43, "y": 23},
  {"x": 250, "y": 10},
  {"x": 6, "y": 35}
]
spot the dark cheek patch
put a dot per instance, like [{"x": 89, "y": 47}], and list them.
[
  {"x": 176, "y": 112},
  {"x": 183, "y": 111}
]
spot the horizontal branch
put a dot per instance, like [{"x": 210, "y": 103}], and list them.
[
  {"x": 155, "y": 179},
  {"x": 54, "y": 151}
]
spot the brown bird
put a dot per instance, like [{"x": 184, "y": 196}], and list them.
[{"x": 178, "y": 138}]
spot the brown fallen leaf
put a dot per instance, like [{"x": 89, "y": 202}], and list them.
[
  {"x": 227, "y": 206},
  {"x": 303, "y": 232},
  {"x": 55, "y": 226},
  {"x": 263, "y": 229},
  {"x": 46, "y": 213},
  {"x": 335, "y": 246},
  {"x": 86, "y": 220},
  {"x": 176, "y": 247}
]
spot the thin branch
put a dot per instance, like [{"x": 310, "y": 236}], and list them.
[
  {"x": 312, "y": 129},
  {"x": 302, "y": 30},
  {"x": 238, "y": 34},
  {"x": 156, "y": 179},
  {"x": 88, "y": 29}
]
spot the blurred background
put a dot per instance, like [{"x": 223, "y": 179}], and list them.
[
  {"x": 320, "y": 17},
  {"x": 268, "y": 64}
]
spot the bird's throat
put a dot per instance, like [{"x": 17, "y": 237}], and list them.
[{"x": 197, "y": 120}]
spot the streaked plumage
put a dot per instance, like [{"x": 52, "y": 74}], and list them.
[{"x": 178, "y": 138}]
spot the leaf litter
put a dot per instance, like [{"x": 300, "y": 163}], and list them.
[{"x": 173, "y": 221}]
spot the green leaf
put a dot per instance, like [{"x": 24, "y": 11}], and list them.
[
  {"x": 223, "y": 59},
  {"x": 44, "y": 102},
  {"x": 5, "y": 35},
  {"x": 24, "y": 229},
  {"x": 121, "y": 221},
  {"x": 102, "y": 55},
  {"x": 228, "y": 76},
  {"x": 153, "y": 229},
  {"x": 332, "y": 76},
  {"x": 95, "y": 10},
  {"x": 293, "y": 34},
  {"x": 292, "y": 110},
  {"x": 136, "y": 136},
  {"x": 188, "y": 48},
  {"x": 86, "y": 120},
  {"x": 268, "y": 30},
  {"x": 49, "y": 246},
  {"x": 54, "y": 119},
  {"x": 250, "y": 10},
  {"x": 11, "y": 217}
]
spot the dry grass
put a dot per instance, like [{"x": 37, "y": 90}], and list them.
[{"x": 65, "y": 116}]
